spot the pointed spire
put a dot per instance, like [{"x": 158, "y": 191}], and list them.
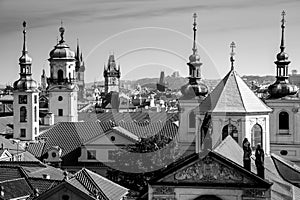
[
  {"x": 232, "y": 53},
  {"x": 62, "y": 31},
  {"x": 195, "y": 33},
  {"x": 77, "y": 49},
  {"x": 282, "y": 47},
  {"x": 24, "y": 51}
]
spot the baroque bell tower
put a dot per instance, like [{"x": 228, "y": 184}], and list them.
[
  {"x": 26, "y": 105},
  {"x": 62, "y": 82}
]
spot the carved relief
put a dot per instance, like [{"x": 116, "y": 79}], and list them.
[
  {"x": 254, "y": 193},
  {"x": 163, "y": 190},
  {"x": 209, "y": 170}
]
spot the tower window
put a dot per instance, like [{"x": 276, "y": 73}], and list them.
[
  {"x": 192, "y": 120},
  {"x": 283, "y": 121},
  {"x": 35, "y": 131},
  {"x": 35, "y": 98},
  {"x": 256, "y": 135},
  {"x": 60, "y": 75},
  {"x": 60, "y": 98},
  {"x": 23, "y": 114},
  {"x": 22, "y": 132},
  {"x": 60, "y": 112},
  {"x": 22, "y": 99},
  {"x": 230, "y": 129},
  {"x": 35, "y": 114}
]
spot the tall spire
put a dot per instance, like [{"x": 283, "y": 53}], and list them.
[
  {"x": 195, "y": 33},
  {"x": 282, "y": 47},
  {"x": 24, "y": 51},
  {"x": 232, "y": 53}
]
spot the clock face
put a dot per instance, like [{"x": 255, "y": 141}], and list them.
[{"x": 113, "y": 80}]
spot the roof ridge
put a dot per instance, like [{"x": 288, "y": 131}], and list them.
[
  {"x": 10, "y": 180},
  {"x": 86, "y": 174},
  {"x": 239, "y": 89}
]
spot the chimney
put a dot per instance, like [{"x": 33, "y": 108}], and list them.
[
  {"x": 36, "y": 192},
  {"x": 46, "y": 176},
  {"x": 66, "y": 175}
]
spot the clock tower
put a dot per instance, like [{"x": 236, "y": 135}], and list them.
[
  {"x": 111, "y": 75},
  {"x": 62, "y": 82}
]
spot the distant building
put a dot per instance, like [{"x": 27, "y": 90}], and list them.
[{"x": 161, "y": 85}]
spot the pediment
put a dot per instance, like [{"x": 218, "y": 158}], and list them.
[{"x": 210, "y": 170}]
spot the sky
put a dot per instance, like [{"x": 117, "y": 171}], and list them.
[{"x": 147, "y": 36}]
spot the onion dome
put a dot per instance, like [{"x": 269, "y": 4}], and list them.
[
  {"x": 25, "y": 84},
  {"x": 62, "y": 50},
  {"x": 281, "y": 89},
  {"x": 194, "y": 90}
]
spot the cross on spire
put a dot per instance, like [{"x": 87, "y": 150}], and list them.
[
  {"x": 232, "y": 53},
  {"x": 62, "y": 31},
  {"x": 195, "y": 30}
]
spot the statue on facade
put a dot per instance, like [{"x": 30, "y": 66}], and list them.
[
  {"x": 247, "y": 154},
  {"x": 259, "y": 161}
]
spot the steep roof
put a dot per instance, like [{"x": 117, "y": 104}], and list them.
[{"x": 234, "y": 96}]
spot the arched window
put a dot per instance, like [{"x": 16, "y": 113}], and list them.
[
  {"x": 208, "y": 197},
  {"x": 192, "y": 120},
  {"x": 60, "y": 75},
  {"x": 230, "y": 129},
  {"x": 35, "y": 114},
  {"x": 283, "y": 120},
  {"x": 256, "y": 135},
  {"x": 23, "y": 114}
]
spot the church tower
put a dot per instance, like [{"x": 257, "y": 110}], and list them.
[
  {"x": 80, "y": 69},
  {"x": 193, "y": 94},
  {"x": 62, "y": 82},
  {"x": 111, "y": 75},
  {"x": 283, "y": 99},
  {"x": 26, "y": 105}
]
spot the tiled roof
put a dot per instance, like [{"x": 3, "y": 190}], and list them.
[
  {"x": 110, "y": 189},
  {"x": 88, "y": 181},
  {"x": 281, "y": 189},
  {"x": 128, "y": 116},
  {"x": 10, "y": 172},
  {"x": 42, "y": 184},
  {"x": 234, "y": 96},
  {"x": 33, "y": 169},
  {"x": 71, "y": 135},
  {"x": 16, "y": 188},
  {"x": 36, "y": 148}
]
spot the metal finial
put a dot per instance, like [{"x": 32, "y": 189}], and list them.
[
  {"x": 62, "y": 31},
  {"x": 24, "y": 35},
  {"x": 195, "y": 30},
  {"x": 282, "y": 47},
  {"x": 232, "y": 53}
]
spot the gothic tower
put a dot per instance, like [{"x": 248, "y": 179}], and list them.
[
  {"x": 26, "y": 106},
  {"x": 62, "y": 82},
  {"x": 111, "y": 75},
  {"x": 80, "y": 69},
  {"x": 193, "y": 94}
]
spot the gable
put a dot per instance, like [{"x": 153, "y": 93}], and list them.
[
  {"x": 212, "y": 170},
  {"x": 106, "y": 139}
]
